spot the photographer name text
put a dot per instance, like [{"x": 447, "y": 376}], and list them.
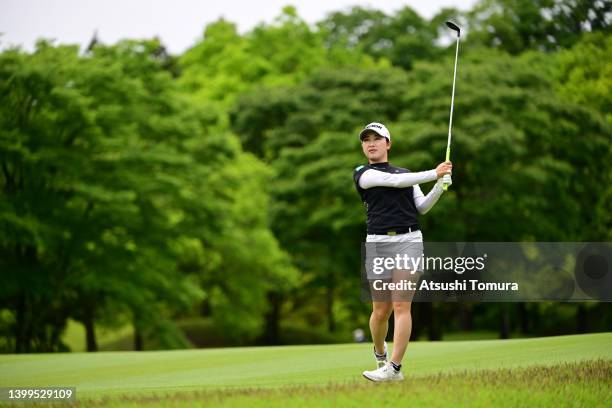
[{"x": 458, "y": 285}]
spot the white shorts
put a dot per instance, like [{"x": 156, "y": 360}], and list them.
[
  {"x": 410, "y": 246},
  {"x": 390, "y": 246}
]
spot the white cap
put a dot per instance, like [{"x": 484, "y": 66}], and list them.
[{"x": 377, "y": 128}]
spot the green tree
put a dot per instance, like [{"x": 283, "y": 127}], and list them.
[
  {"x": 270, "y": 119},
  {"x": 583, "y": 76},
  {"x": 302, "y": 131},
  {"x": 224, "y": 64},
  {"x": 402, "y": 38},
  {"x": 91, "y": 160},
  {"x": 512, "y": 135},
  {"x": 115, "y": 192},
  {"x": 519, "y": 25}
]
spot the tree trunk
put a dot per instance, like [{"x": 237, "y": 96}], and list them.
[
  {"x": 504, "y": 322},
  {"x": 417, "y": 322},
  {"x": 535, "y": 318},
  {"x": 466, "y": 321},
  {"x": 21, "y": 340},
  {"x": 581, "y": 319},
  {"x": 434, "y": 333},
  {"x": 205, "y": 309},
  {"x": 24, "y": 327},
  {"x": 90, "y": 332},
  {"x": 331, "y": 322},
  {"x": 523, "y": 317},
  {"x": 271, "y": 334},
  {"x": 138, "y": 340}
]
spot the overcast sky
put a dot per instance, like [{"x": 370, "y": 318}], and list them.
[{"x": 179, "y": 23}]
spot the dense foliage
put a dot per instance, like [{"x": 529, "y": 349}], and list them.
[{"x": 139, "y": 187}]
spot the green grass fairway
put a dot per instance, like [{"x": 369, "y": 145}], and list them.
[
  {"x": 583, "y": 384},
  {"x": 234, "y": 371}
]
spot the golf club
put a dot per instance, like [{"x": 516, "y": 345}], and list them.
[{"x": 456, "y": 28}]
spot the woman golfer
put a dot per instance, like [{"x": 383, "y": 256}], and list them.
[{"x": 393, "y": 198}]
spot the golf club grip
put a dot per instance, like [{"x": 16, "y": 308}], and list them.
[{"x": 445, "y": 185}]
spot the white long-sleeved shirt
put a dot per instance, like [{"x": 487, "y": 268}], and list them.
[{"x": 375, "y": 178}]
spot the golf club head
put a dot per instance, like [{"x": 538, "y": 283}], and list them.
[{"x": 454, "y": 27}]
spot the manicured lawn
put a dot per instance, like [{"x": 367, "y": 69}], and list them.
[{"x": 438, "y": 373}]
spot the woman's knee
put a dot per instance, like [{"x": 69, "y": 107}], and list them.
[
  {"x": 382, "y": 311},
  {"x": 401, "y": 307}
]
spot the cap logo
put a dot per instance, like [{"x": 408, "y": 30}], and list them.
[{"x": 378, "y": 128}]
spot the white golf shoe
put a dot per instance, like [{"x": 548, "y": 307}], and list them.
[
  {"x": 384, "y": 373},
  {"x": 381, "y": 361}
]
